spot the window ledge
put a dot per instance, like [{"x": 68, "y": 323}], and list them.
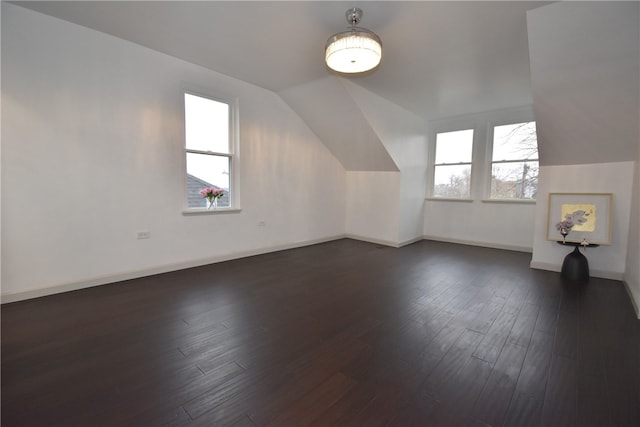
[
  {"x": 445, "y": 199},
  {"x": 203, "y": 211},
  {"x": 511, "y": 201}
]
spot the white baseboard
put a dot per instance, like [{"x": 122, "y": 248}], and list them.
[
  {"x": 372, "y": 240},
  {"x": 634, "y": 303},
  {"x": 545, "y": 266},
  {"x": 481, "y": 244},
  {"x": 382, "y": 241},
  {"x": 410, "y": 241},
  {"x": 103, "y": 280}
]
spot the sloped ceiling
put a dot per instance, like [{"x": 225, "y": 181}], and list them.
[
  {"x": 585, "y": 68},
  {"x": 333, "y": 115},
  {"x": 440, "y": 59}
]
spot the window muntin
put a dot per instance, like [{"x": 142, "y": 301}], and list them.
[
  {"x": 452, "y": 169},
  {"x": 514, "y": 166},
  {"x": 209, "y": 155}
]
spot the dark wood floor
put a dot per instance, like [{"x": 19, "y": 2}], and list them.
[{"x": 338, "y": 334}]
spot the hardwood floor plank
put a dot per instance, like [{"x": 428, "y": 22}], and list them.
[
  {"x": 535, "y": 369},
  {"x": 486, "y": 316},
  {"x": 548, "y": 315},
  {"x": 492, "y": 404},
  {"x": 308, "y": 373},
  {"x": 525, "y": 323},
  {"x": 560, "y": 402},
  {"x": 352, "y": 402},
  {"x": 215, "y": 394},
  {"x": 524, "y": 410},
  {"x": 493, "y": 342},
  {"x": 463, "y": 390},
  {"x": 452, "y": 361},
  {"x": 622, "y": 373},
  {"x": 335, "y": 334},
  {"x": 566, "y": 339},
  {"x": 417, "y": 414},
  {"x": 380, "y": 411},
  {"x": 313, "y": 404}
]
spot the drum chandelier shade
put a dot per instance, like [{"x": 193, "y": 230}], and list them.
[{"x": 354, "y": 51}]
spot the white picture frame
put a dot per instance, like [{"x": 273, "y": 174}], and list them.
[{"x": 593, "y": 210}]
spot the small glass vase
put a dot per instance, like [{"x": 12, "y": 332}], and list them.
[
  {"x": 213, "y": 203},
  {"x": 564, "y": 233}
]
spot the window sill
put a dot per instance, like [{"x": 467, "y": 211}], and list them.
[
  {"x": 503, "y": 201},
  {"x": 445, "y": 199},
  {"x": 203, "y": 211},
  {"x": 510, "y": 201}
]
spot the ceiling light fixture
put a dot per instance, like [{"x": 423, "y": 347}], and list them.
[{"x": 354, "y": 51}]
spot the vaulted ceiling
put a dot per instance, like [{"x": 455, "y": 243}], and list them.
[{"x": 440, "y": 58}]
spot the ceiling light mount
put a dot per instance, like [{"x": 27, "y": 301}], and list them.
[
  {"x": 353, "y": 15},
  {"x": 354, "y": 51}
]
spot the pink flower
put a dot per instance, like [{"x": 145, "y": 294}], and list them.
[
  {"x": 212, "y": 193},
  {"x": 565, "y": 225},
  {"x": 578, "y": 217}
]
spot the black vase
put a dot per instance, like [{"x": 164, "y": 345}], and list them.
[{"x": 575, "y": 266}]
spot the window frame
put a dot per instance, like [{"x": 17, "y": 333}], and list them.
[
  {"x": 232, "y": 155},
  {"x": 491, "y": 125},
  {"x": 432, "y": 165}
]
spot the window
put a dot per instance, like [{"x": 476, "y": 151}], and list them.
[
  {"x": 208, "y": 149},
  {"x": 452, "y": 170},
  {"x": 514, "y": 165}
]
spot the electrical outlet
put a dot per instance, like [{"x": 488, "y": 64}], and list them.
[{"x": 143, "y": 235}]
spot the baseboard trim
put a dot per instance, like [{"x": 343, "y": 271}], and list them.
[
  {"x": 602, "y": 274},
  {"x": 6, "y": 298},
  {"x": 382, "y": 241},
  {"x": 537, "y": 265},
  {"x": 372, "y": 240},
  {"x": 631, "y": 297},
  {"x": 481, "y": 244},
  {"x": 410, "y": 241}
]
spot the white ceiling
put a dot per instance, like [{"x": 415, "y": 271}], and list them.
[{"x": 440, "y": 58}]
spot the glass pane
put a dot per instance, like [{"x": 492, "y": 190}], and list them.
[
  {"x": 452, "y": 181},
  {"x": 206, "y": 124},
  {"x": 517, "y": 180},
  {"x": 205, "y": 171},
  {"x": 515, "y": 142},
  {"x": 454, "y": 147}
]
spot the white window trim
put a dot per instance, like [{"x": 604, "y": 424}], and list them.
[
  {"x": 512, "y": 201},
  {"x": 234, "y": 154},
  {"x": 431, "y": 163},
  {"x": 482, "y": 125},
  {"x": 515, "y": 118}
]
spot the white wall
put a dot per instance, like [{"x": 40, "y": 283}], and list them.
[
  {"x": 404, "y": 137},
  {"x": 632, "y": 272},
  {"x": 585, "y": 76},
  {"x": 495, "y": 225},
  {"x": 382, "y": 147},
  {"x": 92, "y": 138},
  {"x": 616, "y": 178},
  {"x": 479, "y": 221},
  {"x": 372, "y": 208}
]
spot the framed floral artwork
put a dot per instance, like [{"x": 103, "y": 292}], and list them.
[{"x": 580, "y": 217}]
